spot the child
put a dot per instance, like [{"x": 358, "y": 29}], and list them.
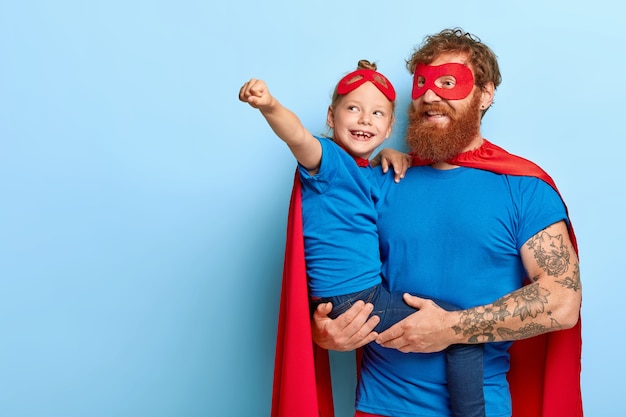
[{"x": 339, "y": 214}]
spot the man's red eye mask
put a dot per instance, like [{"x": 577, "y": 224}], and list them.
[{"x": 429, "y": 74}]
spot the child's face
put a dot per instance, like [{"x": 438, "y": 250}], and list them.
[{"x": 361, "y": 120}]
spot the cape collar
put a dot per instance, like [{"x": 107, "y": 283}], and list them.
[{"x": 361, "y": 162}]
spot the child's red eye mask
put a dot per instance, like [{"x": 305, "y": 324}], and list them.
[{"x": 359, "y": 77}]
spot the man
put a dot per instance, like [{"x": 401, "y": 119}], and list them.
[{"x": 477, "y": 227}]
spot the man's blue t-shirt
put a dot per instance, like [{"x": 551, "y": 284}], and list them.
[
  {"x": 455, "y": 235},
  {"x": 339, "y": 224}
]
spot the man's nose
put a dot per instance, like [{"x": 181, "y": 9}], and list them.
[{"x": 430, "y": 96}]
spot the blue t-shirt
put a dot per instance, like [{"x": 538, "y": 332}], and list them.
[
  {"x": 455, "y": 235},
  {"x": 339, "y": 224}
]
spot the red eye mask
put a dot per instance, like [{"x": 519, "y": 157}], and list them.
[
  {"x": 359, "y": 77},
  {"x": 430, "y": 74}
]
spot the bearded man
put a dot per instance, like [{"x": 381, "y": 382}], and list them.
[{"x": 480, "y": 228}]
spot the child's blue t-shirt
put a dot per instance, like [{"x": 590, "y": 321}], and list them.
[
  {"x": 339, "y": 224},
  {"x": 455, "y": 235}
]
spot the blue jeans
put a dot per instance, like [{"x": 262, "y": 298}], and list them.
[{"x": 464, "y": 363}]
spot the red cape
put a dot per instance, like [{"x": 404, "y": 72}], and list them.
[{"x": 545, "y": 370}]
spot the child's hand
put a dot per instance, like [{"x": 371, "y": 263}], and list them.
[
  {"x": 390, "y": 157},
  {"x": 256, "y": 94}
]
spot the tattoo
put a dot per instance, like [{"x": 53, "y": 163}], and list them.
[
  {"x": 530, "y": 330},
  {"x": 550, "y": 252},
  {"x": 573, "y": 282},
  {"x": 479, "y": 323},
  {"x": 530, "y": 301}
]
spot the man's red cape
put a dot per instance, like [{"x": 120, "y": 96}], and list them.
[{"x": 545, "y": 370}]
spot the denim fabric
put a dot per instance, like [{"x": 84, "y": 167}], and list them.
[
  {"x": 464, "y": 372},
  {"x": 464, "y": 363}
]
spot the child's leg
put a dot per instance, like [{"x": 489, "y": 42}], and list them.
[
  {"x": 390, "y": 307},
  {"x": 341, "y": 303},
  {"x": 464, "y": 363},
  {"x": 464, "y": 371},
  {"x": 465, "y": 375}
]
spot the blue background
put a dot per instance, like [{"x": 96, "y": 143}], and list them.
[{"x": 142, "y": 206}]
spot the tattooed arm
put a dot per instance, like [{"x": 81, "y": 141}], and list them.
[{"x": 550, "y": 302}]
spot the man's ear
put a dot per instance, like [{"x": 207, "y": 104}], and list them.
[{"x": 487, "y": 92}]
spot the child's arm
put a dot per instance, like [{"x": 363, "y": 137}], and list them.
[
  {"x": 396, "y": 159},
  {"x": 286, "y": 125}
]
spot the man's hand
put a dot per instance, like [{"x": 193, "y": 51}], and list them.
[
  {"x": 349, "y": 331},
  {"x": 427, "y": 330}
]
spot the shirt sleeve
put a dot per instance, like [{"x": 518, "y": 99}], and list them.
[
  {"x": 328, "y": 168},
  {"x": 539, "y": 206}
]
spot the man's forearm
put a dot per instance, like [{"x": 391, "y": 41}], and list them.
[{"x": 526, "y": 312}]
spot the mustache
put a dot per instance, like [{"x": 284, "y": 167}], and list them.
[{"x": 434, "y": 108}]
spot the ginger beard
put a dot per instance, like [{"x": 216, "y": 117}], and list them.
[{"x": 429, "y": 141}]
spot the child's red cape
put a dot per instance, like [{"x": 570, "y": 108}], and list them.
[{"x": 545, "y": 370}]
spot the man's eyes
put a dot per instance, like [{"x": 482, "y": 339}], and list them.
[{"x": 446, "y": 82}]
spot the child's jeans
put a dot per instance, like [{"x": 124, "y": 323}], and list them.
[{"x": 464, "y": 363}]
